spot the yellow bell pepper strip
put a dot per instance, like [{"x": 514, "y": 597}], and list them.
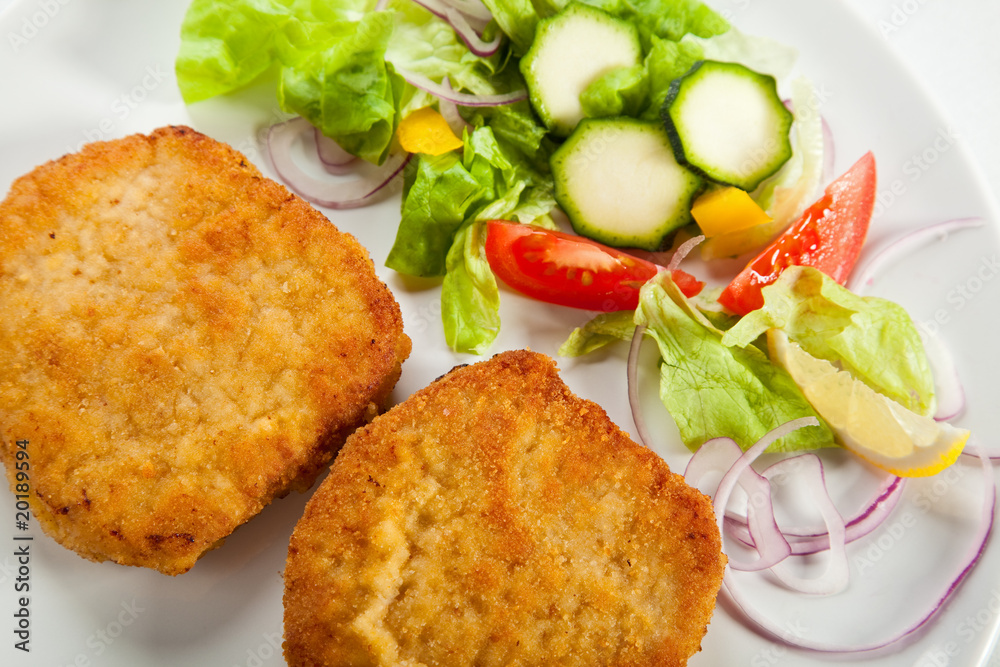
[
  {"x": 426, "y": 131},
  {"x": 725, "y": 210}
]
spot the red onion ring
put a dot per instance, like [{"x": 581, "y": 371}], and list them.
[
  {"x": 465, "y": 99},
  {"x": 683, "y": 250},
  {"x": 334, "y": 158},
  {"x": 777, "y": 630},
  {"x": 762, "y": 529},
  {"x": 805, "y": 542},
  {"x": 370, "y": 183},
  {"x": 632, "y": 369},
  {"x": 837, "y": 574},
  {"x": 762, "y": 532},
  {"x": 469, "y": 36},
  {"x": 906, "y": 244},
  {"x": 462, "y": 25},
  {"x": 472, "y": 8},
  {"x": 729, "y": 481},
  {"x": 450, "y": 113}
]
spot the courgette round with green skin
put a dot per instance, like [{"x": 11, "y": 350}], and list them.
[
  {"x": 728, "y": 122},
  {"x": 570, "y": 50},
  {"x": 619, "y": 183}
]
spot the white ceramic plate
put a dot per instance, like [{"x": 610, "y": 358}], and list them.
[{"x": 77, "y": 72}]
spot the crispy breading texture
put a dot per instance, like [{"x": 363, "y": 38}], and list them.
[
  {"x": 494, "y": 518},
  {"x": 183, "y": 340}
]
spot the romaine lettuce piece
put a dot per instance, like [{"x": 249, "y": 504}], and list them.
[
  {"x": 334, "y": 61},
  {"x": 713, "y": 390},
  {"x": 599, "y": 332},
  {"x": 470, "y": 299},
  {"x": 442, "y": 197},
  {"x": 872, "y": 338},
  {"x": 760, "y": 54},
  {"x": 442, "y": 193},
  {"x": 347, "y": 90},
  {"x": 667, "y": 19},
  {"x": 430, "y": 218}
]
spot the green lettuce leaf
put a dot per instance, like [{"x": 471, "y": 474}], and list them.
[
  {"x": 335, "y": 62},
  {"x": 517, "y": 18},
  {"x": 517, "y": 128},
  {"x": 667, "y": 19},
  {"x": 665, "y": 61},
  {"x": 599, "y": 332},
  {"x": 761, "y": 54},
  {"x": 438, "y": 193},
  {"x": 621, "y": 92},
  {"x": 443, "y": 197},
  {"x": 227, "y": 45},
  {"x": 470, "y": 299},
  {"x": 712, "y": 390},
  {"x": 442, "y": 194},
  {"x": 872, "y": 338},
  {"x": 347, "y": 90}
]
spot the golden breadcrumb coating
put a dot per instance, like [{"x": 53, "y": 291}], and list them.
[
  {"x": 182, "y": 340},
  {"x": 494, "y": 518}
]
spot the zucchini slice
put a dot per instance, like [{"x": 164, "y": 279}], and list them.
[
  {"x": 571, "y": 49},
  {"x": 728, "y": 122},
  {"x": 619, "y": 183}
]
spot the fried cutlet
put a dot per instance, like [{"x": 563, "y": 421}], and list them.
[
  {"x": 183, "y": 340},
  {"x": 494, "y": 518}
]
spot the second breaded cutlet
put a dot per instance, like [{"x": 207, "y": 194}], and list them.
[
  {"x": 495, "y": 518},
  {"x": 183, "y": 340}
]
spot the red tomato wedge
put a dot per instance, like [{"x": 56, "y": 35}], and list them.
[
  {"x": 571, "y": 270},
  {"x": 828, "y": 236}
]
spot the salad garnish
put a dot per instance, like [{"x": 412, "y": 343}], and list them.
[{"x": 504, "y": 133}]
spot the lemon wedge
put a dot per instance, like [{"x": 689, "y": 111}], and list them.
[{"x": 873, "y": 426}]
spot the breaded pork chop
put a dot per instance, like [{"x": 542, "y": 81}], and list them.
[
  {"x": 183, "y": 340},
  {"x": 494, "y": 518}
]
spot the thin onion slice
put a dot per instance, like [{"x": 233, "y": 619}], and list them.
[
  {"x": 905, "y": 244},
  {"x": 468, "y": 34},
  {"x": 776, "y": 630},
  {"x": 730, "y": 479},
  {"x": 443, "y": 8},
  {"x": 474, "y": 9},
  {"x": 763, "y": 534},
  {"x": 805, "y": 542},
  {"x": 449, "y": 111},
  {"x": 334, "y": 158},
  {"x": 370, "y": 183},
  {"x": 633, "y": 387},
  {"x": 465, "y": 26},
  {"x": 465, "y": 99},
  {"x": 683, "y": 250},
  {"x": 837, "y": 574}
]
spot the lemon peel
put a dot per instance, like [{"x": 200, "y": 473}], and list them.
[{"x": 870, "y": 424}]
